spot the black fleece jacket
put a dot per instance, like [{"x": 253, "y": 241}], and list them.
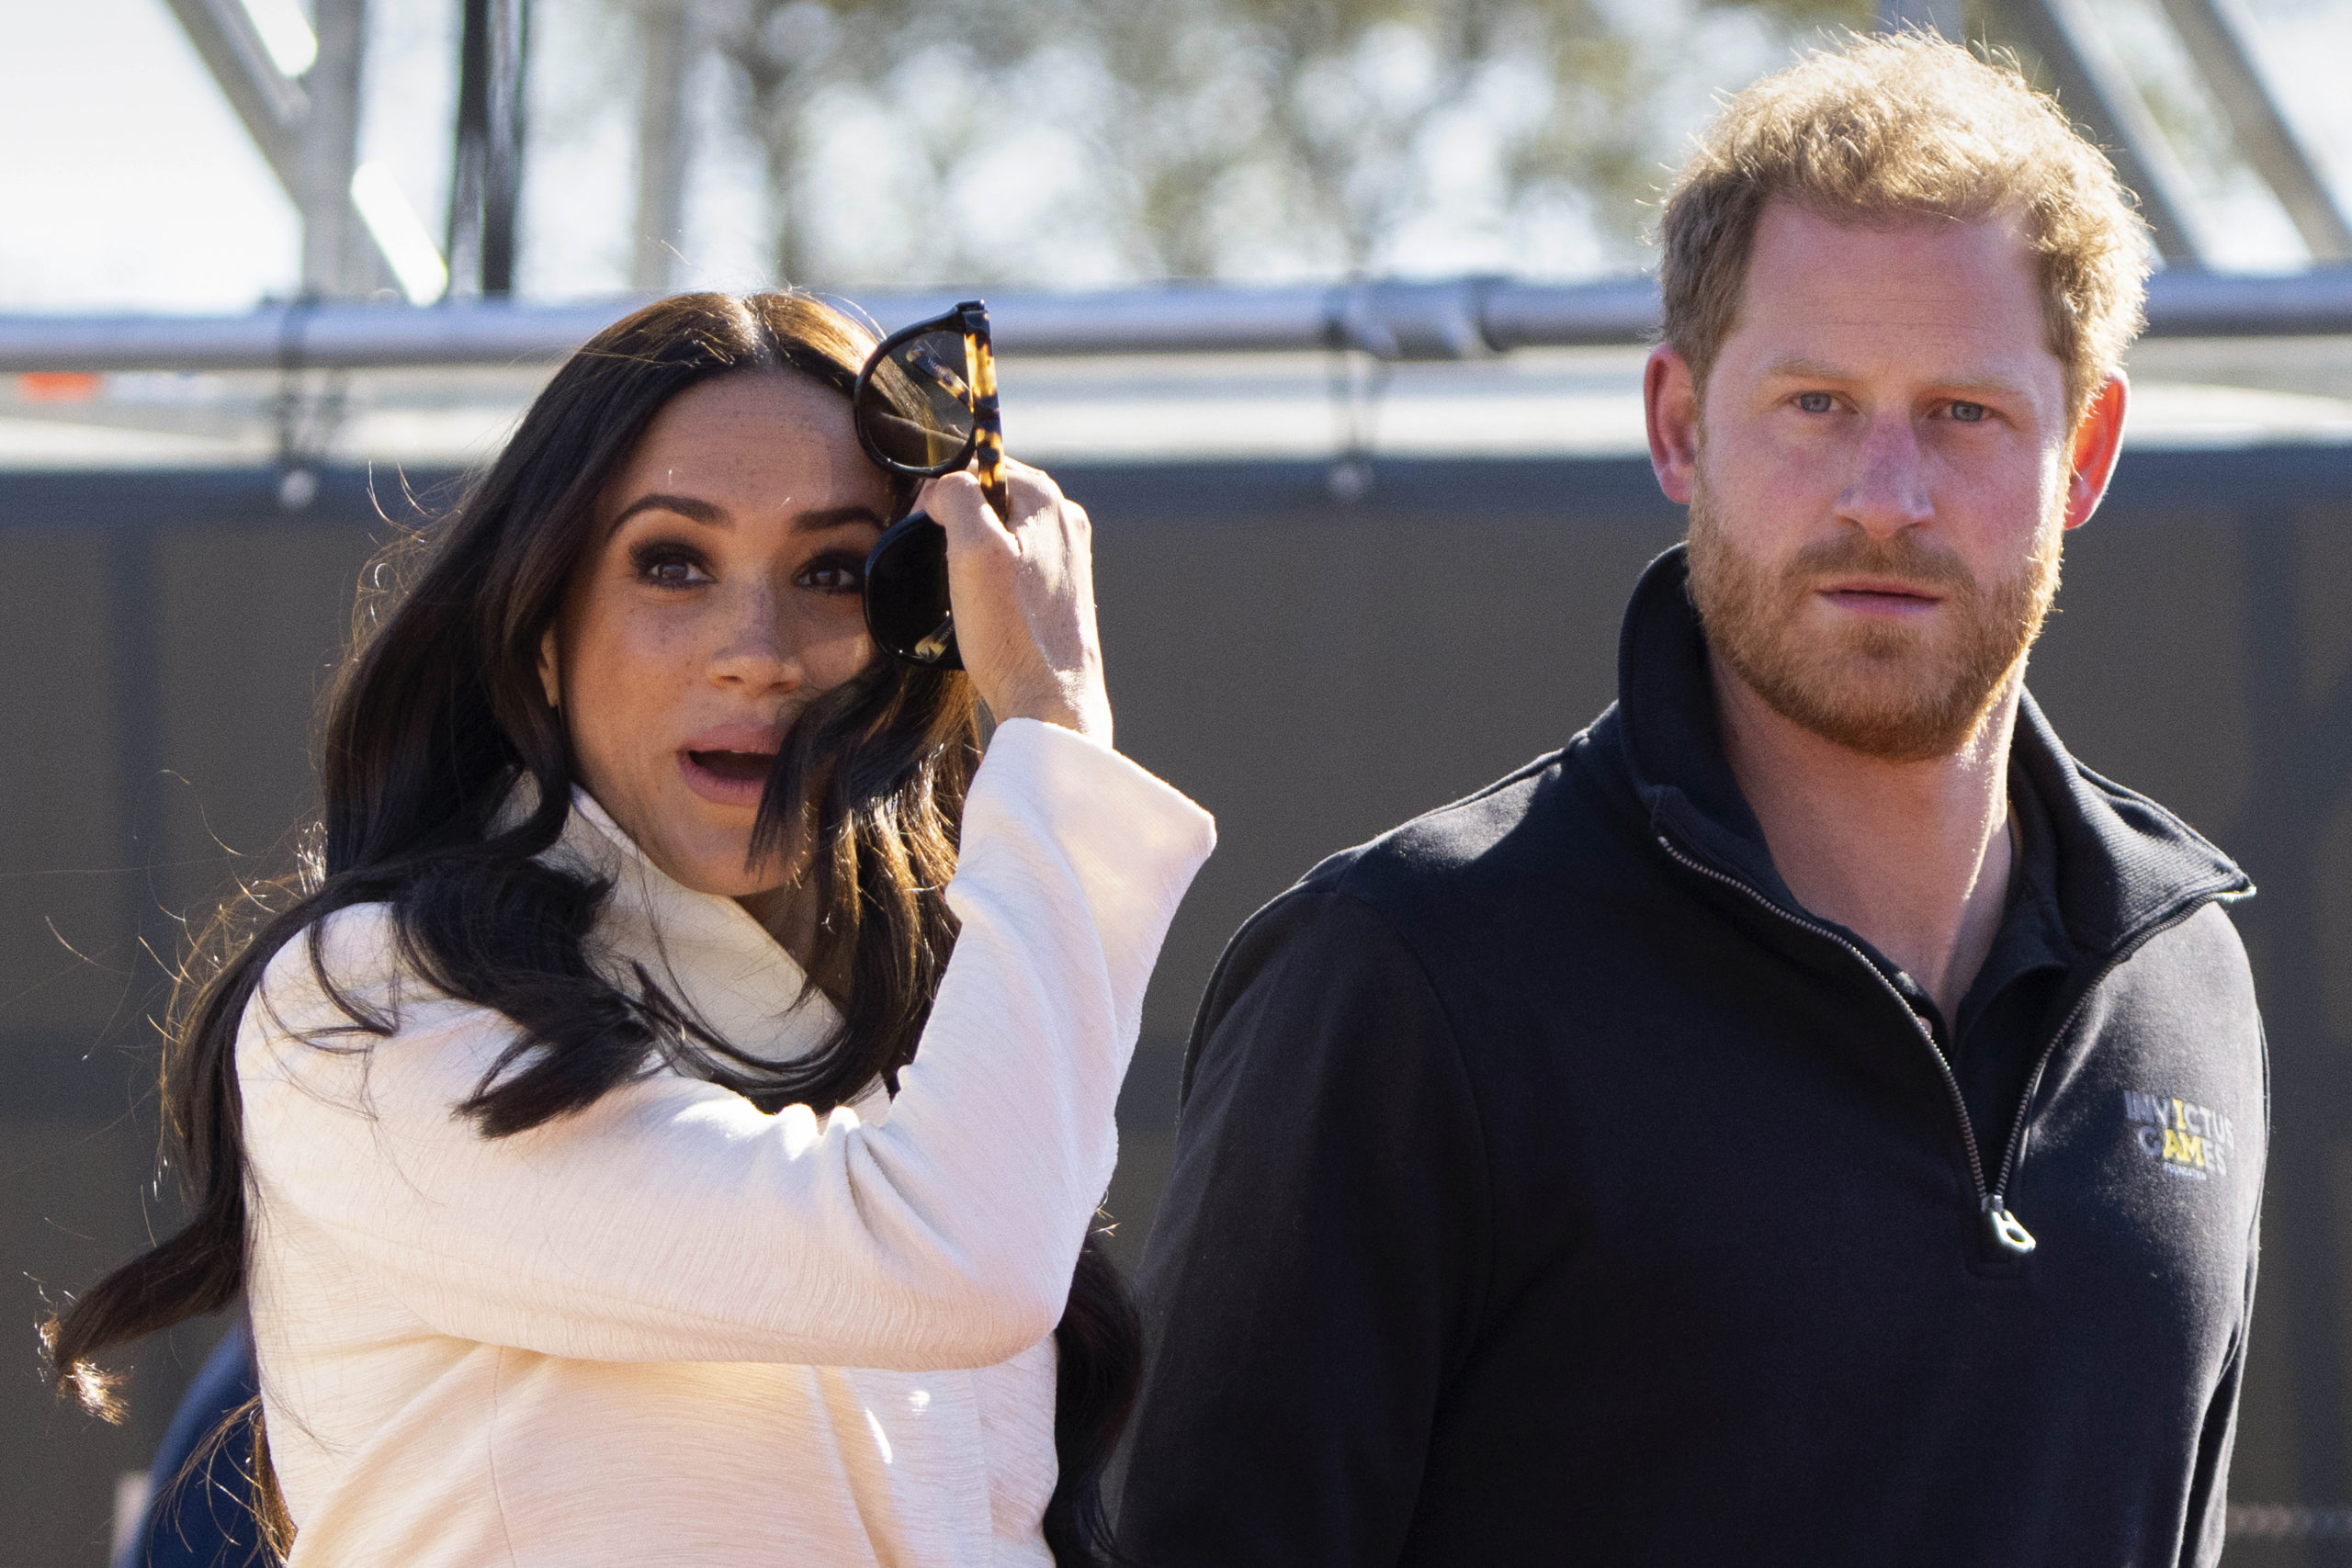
[{"x": 1551, "y": 1188}]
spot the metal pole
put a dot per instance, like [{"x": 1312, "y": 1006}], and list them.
[
  {"x": 2216, "y": 32},
  {"x": 273, "y": 108},
  {"x": 469, "y": 153},
  {"x": 2094, "y": 86},
  {"x": 306, "y": 129},
  {"x": 338, "y": 257},
  {"x": 486, "y": 164},
  {"x": 501, "y": 192},
  {"x": 1464, "y": 318},
  {"x": 666, "y": 31}
]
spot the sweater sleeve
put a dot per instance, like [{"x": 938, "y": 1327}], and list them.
[
  {"x": 1316, "y": 1269},
  {"x": 672, "y": 1220},
  {"x": 2205, "y": 1530}
]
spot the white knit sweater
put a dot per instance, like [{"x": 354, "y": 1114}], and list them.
[{"x": 672, "y": 1329}]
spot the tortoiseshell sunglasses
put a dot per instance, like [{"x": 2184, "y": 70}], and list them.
[{"x": 925, "y": 405}]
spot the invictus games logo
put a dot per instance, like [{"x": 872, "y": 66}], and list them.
[{"x": 2188, "y": 1140}]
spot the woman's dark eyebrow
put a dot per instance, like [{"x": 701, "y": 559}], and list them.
[
  {"x": 837, "y": 517},
  {"x": 698, "y": 511},
  {"x": 686, "y": 506}
]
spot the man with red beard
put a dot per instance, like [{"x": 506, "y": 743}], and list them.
[{"x": 1811, "y": 1119}]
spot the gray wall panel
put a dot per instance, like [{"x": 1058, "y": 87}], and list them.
[
  {"x": 63, "y": 886},
  {"x": 1313, "y": 672},
  {"x": 254, "y": 619}
]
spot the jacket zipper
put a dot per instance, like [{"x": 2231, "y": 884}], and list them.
[
  {"x": 2002, "y": 1226},
  {"x": 2007, "y": 1234},
  {"x": 2165, "y": 922}
]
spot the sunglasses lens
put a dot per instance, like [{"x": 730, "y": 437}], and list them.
[
  {"x": 916, "y": 409},
  {"x": 906, "y": 593}
]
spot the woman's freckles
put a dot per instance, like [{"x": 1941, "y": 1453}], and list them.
[{"x": 723, "y": 597}]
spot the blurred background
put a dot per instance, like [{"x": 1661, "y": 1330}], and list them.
[{"x": 1331, "y": 312}]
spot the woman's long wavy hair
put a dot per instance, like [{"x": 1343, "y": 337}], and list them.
[{"x": 439, "y": 718}]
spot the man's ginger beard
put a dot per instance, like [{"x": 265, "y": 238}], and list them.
[{"x": 1902, "y": 693}]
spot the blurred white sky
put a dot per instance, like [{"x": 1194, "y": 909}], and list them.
[{"x": 127, "y": 183}]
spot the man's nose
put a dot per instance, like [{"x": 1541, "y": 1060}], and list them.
[
  {"x": 755, "y": 648},
  {"x": 1888, "y": 491}
]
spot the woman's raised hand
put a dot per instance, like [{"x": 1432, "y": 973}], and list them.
[{"x": 1024, "y": 598}]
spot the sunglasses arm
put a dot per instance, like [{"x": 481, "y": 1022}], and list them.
[{"x": 987, "y": 421}]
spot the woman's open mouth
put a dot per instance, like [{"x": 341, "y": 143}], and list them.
[{"x": 728, "y": 778}]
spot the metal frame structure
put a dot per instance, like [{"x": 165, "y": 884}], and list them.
[
  {"x": 307, "y": 129},
  {"x": 1457, "y": 318},
  {"x": 2217, "y": 38},
  {"x": 2094, "y": 85},
  {"x": 273, "y": 106}
]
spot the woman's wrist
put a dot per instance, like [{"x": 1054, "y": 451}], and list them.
[{"x": 1081, "y": 706}]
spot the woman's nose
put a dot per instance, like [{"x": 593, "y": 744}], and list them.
[
  {"x": 1889, "y": 490},
  {"x": 754, "y": 648}
]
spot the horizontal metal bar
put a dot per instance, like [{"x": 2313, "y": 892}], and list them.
[
  {"x": 1536, "y": 315},
  {"x": 2318, "y": 303},
  {"x": 1462, "y": 318},
  {"x": 1197, "y": 318}
]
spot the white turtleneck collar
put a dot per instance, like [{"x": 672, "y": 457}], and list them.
[{"x": 706, "y": 950}]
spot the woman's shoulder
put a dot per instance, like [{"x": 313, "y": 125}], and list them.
[
  {"x": 355, "y": 948},
  {"x": 332, "y": 996},
  {"x": 344, "y": 971}
]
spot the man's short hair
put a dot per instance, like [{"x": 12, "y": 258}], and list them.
[{"x": 1899, "y": 126}]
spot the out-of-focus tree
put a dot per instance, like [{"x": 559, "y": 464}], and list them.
[
  {"x": 1079, "y": 141},
  {"x": 1359, "y": 94},
  {"x": 984, "y": 138}
]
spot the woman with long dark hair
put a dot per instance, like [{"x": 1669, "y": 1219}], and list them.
[{"x": 616, "y": 1164}]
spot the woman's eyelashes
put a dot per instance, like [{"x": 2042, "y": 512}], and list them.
[
  {"x": 835, "y": 572},
  {"x": 669, "y": 563},
  {"x": 665, "y": 563}
]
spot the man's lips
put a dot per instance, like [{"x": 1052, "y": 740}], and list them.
[{"x": 1881, "y": 596}]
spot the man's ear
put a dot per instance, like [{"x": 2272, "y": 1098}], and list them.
[
  {"x": 2097, "y": 441},
  {"x": 551, "y": 677},
  {"x": 1671, "y": 406}
]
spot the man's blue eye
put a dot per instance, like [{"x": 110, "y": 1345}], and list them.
[
  {"x": 1815, "y": 402},
  {"x": 1968, "y": 414}
]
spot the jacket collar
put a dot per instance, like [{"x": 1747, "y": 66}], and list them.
[
  {"x": 706, "y": 953},
  {"x": 2123, "y": 862}
]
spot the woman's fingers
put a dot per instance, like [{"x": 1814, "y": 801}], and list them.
[
  {"x": 956, "y": 503},
  {"x": 1023, "y": 594}
]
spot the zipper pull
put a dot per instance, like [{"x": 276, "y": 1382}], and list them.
[{"x": 2007, "y": 1235}]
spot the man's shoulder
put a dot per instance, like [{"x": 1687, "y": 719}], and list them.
[
  {"x": 2194, "y": 976},
  {"x": 1478, "y": 858},
  {"x": 1370, "y": 956}
]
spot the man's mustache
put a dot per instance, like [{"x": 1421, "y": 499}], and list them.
[{"x": 1903, "y": 557}]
